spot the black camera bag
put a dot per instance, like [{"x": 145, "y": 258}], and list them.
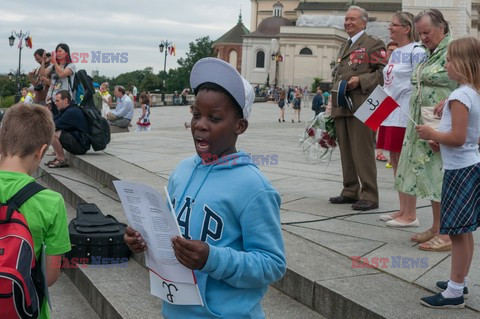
[{"x": 96, "y": 238}]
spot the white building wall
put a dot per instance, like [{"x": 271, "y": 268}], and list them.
[
  {"x": 299, "y": 69},
  {"x": 457, "y": 12}
]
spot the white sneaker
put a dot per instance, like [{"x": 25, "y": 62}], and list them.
[{"x": 394, "y": 223}]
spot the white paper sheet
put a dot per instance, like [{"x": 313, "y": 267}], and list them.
[
  {"x": 148, "y": 214},
  {"x": 43, "y": 261},
  {"x": 176, "y": 293}
]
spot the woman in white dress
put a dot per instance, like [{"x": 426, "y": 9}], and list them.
[{"x": 397, "y": 84}]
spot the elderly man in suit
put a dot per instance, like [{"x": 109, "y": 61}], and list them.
[{"x": 360, "y": 63}]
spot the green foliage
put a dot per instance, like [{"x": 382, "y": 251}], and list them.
[
  {"x": 178, "y": 79},
  {"x": 315, "y": 84},
  {"x": 100, "y": 79},
  {"x": 7, "y": 86},
  {"x": 150, "y": 82},
  {"x": 201, "y": 48},
  {"x": 7, "y": 101}
]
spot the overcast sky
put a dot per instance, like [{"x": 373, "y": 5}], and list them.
[{"x": 132, "y": 27}]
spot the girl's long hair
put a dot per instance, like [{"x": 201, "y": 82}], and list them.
[{"x": 464, "y": 55}]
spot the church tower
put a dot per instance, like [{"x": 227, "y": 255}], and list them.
[{"x": 229, "y": 46}]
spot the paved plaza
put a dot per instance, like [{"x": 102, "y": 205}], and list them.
[{"x": 320, "y": 238}]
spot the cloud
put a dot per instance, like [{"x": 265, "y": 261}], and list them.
[{"x": 109, "y": 26}]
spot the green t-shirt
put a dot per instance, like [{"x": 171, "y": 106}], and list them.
[{"x": 46, "y": 217}]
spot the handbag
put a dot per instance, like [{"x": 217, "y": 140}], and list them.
[
  {"x": 96, "y": 238},
  {"x": 428, "y": 118},
  {"x": 427, "y": 115}
]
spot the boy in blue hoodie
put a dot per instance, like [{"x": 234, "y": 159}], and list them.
[{"x": 228, "y": 212}]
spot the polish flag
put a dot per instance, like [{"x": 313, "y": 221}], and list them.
[{"x": 376, "y": 108}]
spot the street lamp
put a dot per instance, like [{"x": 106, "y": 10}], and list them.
[
  {"x": 164, "y": 45},
  {"x": 277, "y": 57},
  {"x": 11, "y": 41}
]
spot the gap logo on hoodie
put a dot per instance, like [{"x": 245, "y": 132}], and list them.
[{"x": 212, "y": 225}]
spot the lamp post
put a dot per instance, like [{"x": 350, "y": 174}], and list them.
[
  {"x": 277, "y": 57},
  {"x": 164, "y": 45},
  {"x": 11, "y": 41}
]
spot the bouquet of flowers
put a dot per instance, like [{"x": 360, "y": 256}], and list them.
[{"x": 319, "y": 140}]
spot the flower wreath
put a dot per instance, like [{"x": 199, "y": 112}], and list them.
[{"x": 319, "y": 139}]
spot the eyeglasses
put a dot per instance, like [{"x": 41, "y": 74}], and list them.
[{"x": 391, "y": 25}]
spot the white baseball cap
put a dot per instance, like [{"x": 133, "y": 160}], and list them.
[{"x": 224, "y": 74}]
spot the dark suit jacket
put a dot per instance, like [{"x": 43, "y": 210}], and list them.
[{"x": 366, "y": 59}]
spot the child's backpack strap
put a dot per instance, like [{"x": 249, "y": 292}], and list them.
[
  {"x": 22, "y": 196},
  {"x": 22, "y": 281}
]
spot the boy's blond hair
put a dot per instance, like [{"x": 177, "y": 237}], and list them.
[
  {"x": 464, "y": 55},
  {"x": 25, "y": 129}
]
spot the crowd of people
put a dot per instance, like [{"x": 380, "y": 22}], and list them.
[
  {"x": 433, "y": 159},
  {"x": 296, "y": 97}
]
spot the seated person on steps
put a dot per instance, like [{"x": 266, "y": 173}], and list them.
[
  {"x": 123, "y": 113},
  {"x": 71, "y": 128}
]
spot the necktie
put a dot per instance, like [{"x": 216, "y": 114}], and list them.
[{"x": 347, "y": 46}]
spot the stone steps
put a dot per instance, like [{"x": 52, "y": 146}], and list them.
[
  {"x": 317, "y": 277},
  {"x": 65, "y": 293},
  {"x": 124, "y": 292}
]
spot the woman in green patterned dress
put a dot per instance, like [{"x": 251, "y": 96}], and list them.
[{"x": 420, "y": 169}]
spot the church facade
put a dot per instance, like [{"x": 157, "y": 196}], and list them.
[{"x": 292, "y": 42}]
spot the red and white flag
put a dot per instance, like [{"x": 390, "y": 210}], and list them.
[{"x": 376, "y": 108}]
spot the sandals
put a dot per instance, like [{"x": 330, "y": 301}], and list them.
[
  {"x": 381, "y": 158},
  {"x": 50, "y": 162},
  {"x": 436, "y": 244},
  {"x": 58, "y": 164},
  {"x": 422, "y": 237}
]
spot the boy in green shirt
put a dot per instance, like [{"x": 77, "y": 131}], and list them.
[{"x": 25, "y": 134}]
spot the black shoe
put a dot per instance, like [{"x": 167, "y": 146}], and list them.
[
  {"x": 364, "y": 205},
  {"x": 293, "y": 121},
  {"x": 438, "y": 301},
  {"x": 283, "y": 120},
  {"x": 342, "y": 200},
  {"x": 279, "y": 121},
  {"x": 442, "y": 285}
]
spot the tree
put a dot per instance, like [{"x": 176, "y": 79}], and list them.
[
  {"x": 201, "y": 48},
  {"x": 177, "y": 80},
  {"x": 150, "y": 82},
  {"x": 100, "y": 79},
  {"x": 7, "y": 86},
  {"x": 316, "y": 83},
  {"x": 144, "y": 80}
]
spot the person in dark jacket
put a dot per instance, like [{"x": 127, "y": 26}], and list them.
[
  {"x": 71, "y": 128},
  {"x": 317, "y": 103}
]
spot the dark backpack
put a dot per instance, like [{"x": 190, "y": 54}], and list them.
[
  {"x": 21, "y": 279},
  {"x": 98, "y": 127},
  {"x": 82, "y": 88}
]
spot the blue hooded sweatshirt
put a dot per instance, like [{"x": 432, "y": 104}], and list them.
[{"x": 231, "y": 206}]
